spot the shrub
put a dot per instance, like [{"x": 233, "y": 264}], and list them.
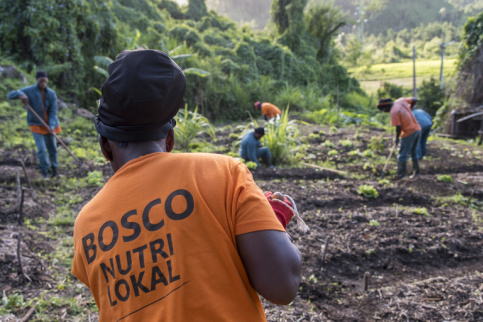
[{"x": 189, "y": 125}]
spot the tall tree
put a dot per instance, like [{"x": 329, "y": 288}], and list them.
[
  {"x": 323, "y": 22},
  {"x": 196, "y": 9},
  {"x": 288, "y": 17}
]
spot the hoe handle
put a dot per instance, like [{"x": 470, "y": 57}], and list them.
[{"x": 388, "y": 158}]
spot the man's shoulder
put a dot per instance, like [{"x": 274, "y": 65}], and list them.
[
  {"x": 29, "y": 88},
  {"x": 51, "y": 91}
]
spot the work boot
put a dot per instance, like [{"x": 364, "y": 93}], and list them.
[
  {"x": 45, "y": 173},
  {"x": 55, "y": 174},
  {"x": 416, "y": 170},
  {"x": 401, "y": 169}
]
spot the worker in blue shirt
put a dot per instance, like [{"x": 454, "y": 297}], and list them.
[
  {"x": 426, "y": 122},
  {"x": 43, "y": 101},
  {"x": 251, "y": 148}
]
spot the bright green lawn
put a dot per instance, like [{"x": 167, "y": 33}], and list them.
[
  {"x": 401, "y": 73},
  {"x": 425, "y": 68}
]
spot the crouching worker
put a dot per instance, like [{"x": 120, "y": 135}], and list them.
[
  {"x": 407, "y": 127},
  {"x": 251, "y": 148},
  {"x": 175, "y": 236}
]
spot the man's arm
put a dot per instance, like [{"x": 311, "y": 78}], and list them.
[
  {"x": 18, "y": 94},
  {"x": 273, "y": 264},
  {"x": 398, "y": 133}
]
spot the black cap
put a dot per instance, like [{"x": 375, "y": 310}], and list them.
[
  {"x": 142, "y": 94},
  {"x": 41, "y": 73},
  {"x": 260, "y": 130},
  {"x": 384, "y": 103}
]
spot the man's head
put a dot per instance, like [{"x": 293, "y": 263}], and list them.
[
  {"x": 42, "y": 79},
  {"x": 385, "y": 104},
  {"x": 142, "y": 94},
  {"x": 413, "y": 103},
  {"x": 258, "y": 105},
  {"x": 258, "y": 133}
]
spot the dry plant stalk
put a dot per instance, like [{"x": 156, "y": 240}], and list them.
[
  {"x": 22, "y": 163},
  {"x": 19, "y": 236},
  {"x": 325, "y": 248}
]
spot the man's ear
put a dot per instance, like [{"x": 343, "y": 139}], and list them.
[
  {"x": 105, "y": 148},
  {"x": 170, "y": 141}
]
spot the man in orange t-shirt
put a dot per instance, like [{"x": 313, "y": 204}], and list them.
[
  {"x": 175, "y": 236},
  {"x": 407, "y": 127},
  {"x": 269, "y": 111}
]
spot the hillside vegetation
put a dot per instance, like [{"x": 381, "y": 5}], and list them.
[{"x": 228, "y": 67}]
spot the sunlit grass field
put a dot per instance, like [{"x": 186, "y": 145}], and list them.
[{"x": 401, "y": 73}]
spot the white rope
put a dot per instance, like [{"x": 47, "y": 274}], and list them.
[{"x": 300, "y": 222}]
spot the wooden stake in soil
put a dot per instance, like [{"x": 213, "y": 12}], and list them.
[
  {"x": 19, "y": 236},
  {"x": 22, "y": 163},
  {"x": 325, "y": 249},
  {"x": 471, "y": 196},
  {"x": 367, "y": 276},
  {"x": 30, "y": 312}
]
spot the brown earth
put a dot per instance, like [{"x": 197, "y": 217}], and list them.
[{"x": 414, "y": 253}]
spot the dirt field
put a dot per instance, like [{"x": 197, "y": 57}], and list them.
[{"x": 414, "y": 253}]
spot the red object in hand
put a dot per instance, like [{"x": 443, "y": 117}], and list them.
[{"x": 283, "y": 211}]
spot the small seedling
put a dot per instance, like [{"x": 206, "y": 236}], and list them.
[
  {"x": 421, "y": 211},
  {"x": 368, "y": 191},
  {"x": 355, "y": 153},
  {"x": 251, "y": 165},
  {"x": 346, "y": 143},
  {"x": 374, "y": 222},
  {"x": 445, "y": 178},
  {"x": 329, "y": 144}
]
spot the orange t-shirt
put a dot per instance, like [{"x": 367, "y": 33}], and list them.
[
  {"x": 270, "y": 110},
  {"x": 157, "y": 243},
  {"x": 402, "y": 115}
]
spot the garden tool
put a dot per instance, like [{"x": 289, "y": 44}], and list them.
[
  {"x": 387, "y": 161},
  {"x": 55, "y": 135}
]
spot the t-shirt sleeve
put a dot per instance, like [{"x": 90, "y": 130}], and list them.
[{"x": 253, "y": 212}]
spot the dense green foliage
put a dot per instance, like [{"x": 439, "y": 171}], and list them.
[
  {"x": 470, "y": 62},
  {"x": 431, "y": 96},
  {"x": 240, "y": 66},
  {"x": 61, "y": 38}
]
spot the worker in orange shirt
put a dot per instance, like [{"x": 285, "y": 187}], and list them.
[
  {"x": 407, "y": 127},
  {"x": 269, "y": 111},
  {"x": 176, "y": 236}
]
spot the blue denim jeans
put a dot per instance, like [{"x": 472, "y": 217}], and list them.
[
  {"x": 46, "y": 150},
  {"x": 422, "y": 141},
  {"x": 409, "y": 146},
  {"x": 265, "y": 154}
]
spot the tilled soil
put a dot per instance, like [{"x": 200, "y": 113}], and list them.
[{"x": 414, "y": 253}]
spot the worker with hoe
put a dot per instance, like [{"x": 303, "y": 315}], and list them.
[
  {"x": 175, "y": 236},
  {"x": 407, "y": 127},
  {"x": 269, "y": 111},
  {"x": 43, "y": 100},
  {"x": 251, "y": 148}
]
